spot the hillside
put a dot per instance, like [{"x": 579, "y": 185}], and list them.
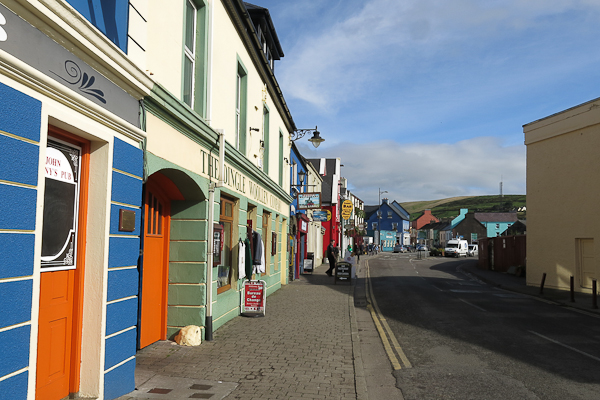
[{"x": 450, "y": 207}]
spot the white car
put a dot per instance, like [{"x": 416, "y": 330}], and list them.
[{"x": 473, "y": 251}]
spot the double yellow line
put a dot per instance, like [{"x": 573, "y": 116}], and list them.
[{"x": 392, "y": 349}]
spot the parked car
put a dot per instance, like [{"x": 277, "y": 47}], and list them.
[
  {"x": 421, "y": 247},
  {"x": 473, "y": 250},
  {"x": 399, "y": 249}
]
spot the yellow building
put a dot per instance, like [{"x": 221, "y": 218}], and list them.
[{"x": 562, "y": 195}]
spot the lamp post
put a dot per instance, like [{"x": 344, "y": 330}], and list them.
[
  {"x": 316, "y": 139},
  {"x": 379, "y": 219}
]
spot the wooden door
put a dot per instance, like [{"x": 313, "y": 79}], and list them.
[
  {"x": 55, "y": 334},
  {"x": 62, "y": 266},
  {"x": 153, "y": 324},
  {"x": 587, "y": 264}
]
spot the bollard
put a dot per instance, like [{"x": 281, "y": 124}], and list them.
[
  {"x": 594, "y": 295},
  {"x": 542, "y": 285},
  {"x": 572, "y": 290}
]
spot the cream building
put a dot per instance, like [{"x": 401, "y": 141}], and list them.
[{"x": 562, "y": 187}]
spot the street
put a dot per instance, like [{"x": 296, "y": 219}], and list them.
[{"x": 460, "y": 338}]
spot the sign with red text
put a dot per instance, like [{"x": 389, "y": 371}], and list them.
[{"x": 254, "y": 298}]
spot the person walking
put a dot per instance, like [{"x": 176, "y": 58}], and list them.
[{"x": 331, "y": 257}]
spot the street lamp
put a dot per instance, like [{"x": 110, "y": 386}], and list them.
[
  {"x": 316, "y": 139},
  {"x": 379, "y": 219}
]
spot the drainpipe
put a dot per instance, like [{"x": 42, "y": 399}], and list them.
[{"x": 211, "y": 231}]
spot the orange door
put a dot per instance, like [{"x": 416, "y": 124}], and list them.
[
  {"x": 54, "y": 336},
  {"x": 153, "y": 324},
  {"x": 62, "y": 266}
]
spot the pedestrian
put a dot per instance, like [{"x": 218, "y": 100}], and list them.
[{"x": 331, "y": 256}]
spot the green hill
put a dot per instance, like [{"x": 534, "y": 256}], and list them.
[{"x": 450, "y": 207}]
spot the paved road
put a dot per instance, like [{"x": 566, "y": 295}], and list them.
[{"x": 464, "y": 339}]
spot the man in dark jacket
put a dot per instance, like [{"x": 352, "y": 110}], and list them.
[{"x": 331, "y": 257}]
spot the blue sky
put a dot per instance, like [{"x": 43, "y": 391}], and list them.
[{"x": 426, "y": 99}]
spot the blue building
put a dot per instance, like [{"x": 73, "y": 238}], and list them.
[{"x": 387, "y": 217}]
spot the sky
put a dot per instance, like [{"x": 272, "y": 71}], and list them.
[{"x": 426, "y": 99}]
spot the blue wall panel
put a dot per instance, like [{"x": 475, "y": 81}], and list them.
[
  {"x": 14, "y": 347},
  {"x": 15, "y": 387},
  {"x": 25, "y": 170},
  {"x": 123, "y": 251},
  {"x": 20, "y": 247},
  {"x": 126, "y": 189},
  {"x": 114, "y": 220},
  {"x": 122, "y": 283},
  {"x": 121, "y": 315},
  {"x": 128, "y": 158},
  {"x": 119, "y": 348},
  {"x": 119, "y": 381},
  {"x": 19, "y": 114},
  {"x": 109, "y": 16},
  {"x": 17, "y": 208},
  {"x": 15, "y": 302}
]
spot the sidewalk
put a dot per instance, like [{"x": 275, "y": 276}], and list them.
[
  {"x": 583, "y": 301},
  {"x": 306, "y": 346}
]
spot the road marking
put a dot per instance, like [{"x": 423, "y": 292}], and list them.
[
  {"x": 473, "y": 305},
  {"x": 565, "y": 346},
  {"x": 384, "y": 329}
]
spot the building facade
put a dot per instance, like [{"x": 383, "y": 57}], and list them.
[
  {"x": 150, "y": 144},
  {"x": 562, "y": 166}
]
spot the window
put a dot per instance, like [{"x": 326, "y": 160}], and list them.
[
  {"x": 389, "y": 214},
  {"x": 194, "y": 56},
  {"x": 394, "y": 226},
  {"x": 280, "y": 158},
  {"x": 189, "y": 60},
  {"x": 265, "y": 139},
  {"x": 374, "y": 225},
  {"x": 240, "y": 108},
  {"x": 225, "y": 268}
]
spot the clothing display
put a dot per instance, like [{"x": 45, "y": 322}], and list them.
[{"x": 241, "y": 259}]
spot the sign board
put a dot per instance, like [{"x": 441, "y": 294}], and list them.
[
  {"x": 309, "y": 201},
  {"x": 321, "y": 216},
  {"x": 254, "y": 298},
  {"x": 346, "y": 209},
  {"x": 308, "y": 265},
  {"x": 343, "y": 272}
]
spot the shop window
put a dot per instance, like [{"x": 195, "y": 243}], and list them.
[
  {"x": 266, "y": 233},
  {"x": 225, "y": 268}
]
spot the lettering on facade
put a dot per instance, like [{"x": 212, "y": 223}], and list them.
[{"x": 235, "y": 180}]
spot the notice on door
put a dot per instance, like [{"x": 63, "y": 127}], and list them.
[{"x": 254, "y": 298}]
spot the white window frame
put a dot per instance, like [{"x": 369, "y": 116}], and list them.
[{"x": 190, "y": 54}]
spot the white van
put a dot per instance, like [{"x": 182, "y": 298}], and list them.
[
  {"x": 473, "y": 250},
  {"x": 456, "y": 248}
]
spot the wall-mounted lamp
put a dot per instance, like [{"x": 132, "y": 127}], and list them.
[
  {"x": 286, "y": 160},
  {"x": 316, "y": 139},
  {"x": 262, "y": 144},
  {"x": 254, "y": 129},
  {"x": 301, "y": 177}
]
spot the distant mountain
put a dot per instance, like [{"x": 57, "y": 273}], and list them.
[{"x": 450, "y": 207}]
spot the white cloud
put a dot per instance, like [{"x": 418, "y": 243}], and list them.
[
  {"x": 388, "y": 40},
  {"x": 429, "y": 171}
]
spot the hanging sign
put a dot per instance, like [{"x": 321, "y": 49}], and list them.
[
  {"x": 346, "y": 209},
  {"x": 254, "y": 298},
  {"x": 321, "y": 216},
  {"x": 308, "y": 201}
]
